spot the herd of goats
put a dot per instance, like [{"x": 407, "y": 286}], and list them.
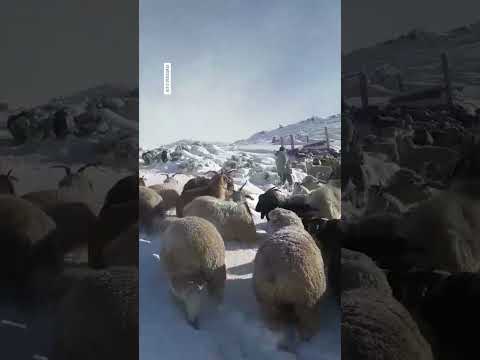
[{"x": 404, "y": 266}]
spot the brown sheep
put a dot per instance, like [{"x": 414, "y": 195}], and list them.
[
  {"x": 217, "y": 187},
  {"x": 168, "y": 193}
]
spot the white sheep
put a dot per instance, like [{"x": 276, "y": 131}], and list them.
[
  {"x": 360, "y": 271},
  {"x": 327, "y": 201},
  {"x": 310, "y": 182},
  {"x": 27, "y": 237},
  {"x": 76, "y": 186},
  {"x": 148, "y": 199},
  {"x": 233, "y": 220},
  {"x": 280, "y": 218},
  {"x": 379, "y": 201},
  {"x": 299, "y": 189},
  {"x": 73, "y": 187},
  {"x": 408, "y": 187},
  {"x": 289, "y": 278},
  {"x": 443, "y": 233},
  {"x": 414, "y": 157},
  {"x": 193, "y": 255}
]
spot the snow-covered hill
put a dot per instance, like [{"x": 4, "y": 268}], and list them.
[
  {"x": 417, "y": 56},
  {"x": 313, "y": 127}
]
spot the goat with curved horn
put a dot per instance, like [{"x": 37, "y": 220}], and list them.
[
  {"x": 68, "y": 170},
  {"x": 272, "y": 188},
  {"x": 211, "y": 171},
  {"x": 10, "y": 176},
  {"x": 241, "y": 188},
  {"x": 84, "y": 167}
]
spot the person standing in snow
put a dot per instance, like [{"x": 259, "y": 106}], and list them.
[
  {"x": 164, "y": 156},
  {"x": 283, "y": 167}
]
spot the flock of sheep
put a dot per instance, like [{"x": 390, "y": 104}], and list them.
[
  {"x": 410, "y": 233},
  {"x": 94, "y": 302},
  {"x": 403, "y": 259},
  {"x": 291, "y": 273}
]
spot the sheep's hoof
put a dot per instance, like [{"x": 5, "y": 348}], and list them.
[
  {"x": 194, "y": 324},
  {"x": 288, "y": 346},
  {"x": 290, "y": 342}
]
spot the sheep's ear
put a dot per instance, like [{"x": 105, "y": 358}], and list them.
[{"x": 9, "y": 172}]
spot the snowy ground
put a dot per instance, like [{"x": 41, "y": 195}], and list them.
[{"x": 236, "y": 331}]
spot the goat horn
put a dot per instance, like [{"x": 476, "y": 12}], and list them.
[
  {"x": 245, "y": 183},
  {"x": 68, "y": 170},
  {"x": 9, "y": 172},
  {"x": 84, "y": 167}
]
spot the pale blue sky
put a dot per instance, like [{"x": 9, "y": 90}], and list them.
[{"x": 238, "y": 66}]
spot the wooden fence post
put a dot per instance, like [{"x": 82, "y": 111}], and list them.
[
  {"x": 364, "y": 90},
  {"x": 446, "y": 78},
  {"x": 327, "y": 138},
  {"x": 400, "y": 82}
]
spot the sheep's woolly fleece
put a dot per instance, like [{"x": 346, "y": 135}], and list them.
[
  {"x": 237, "y": 331},
  {"x": 377, "y": 326}
]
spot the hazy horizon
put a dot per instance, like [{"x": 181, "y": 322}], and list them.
[
  {"x": 391, "y": 19},
  {"x": 238, "y": 67},
  {"x": 49, "y": 52}
]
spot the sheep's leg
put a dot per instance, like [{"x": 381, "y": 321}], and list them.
[
  {"x": 290, "y": 341},
  {"x": 216, "y": 285},
  {"x": 308, "y": 321}
]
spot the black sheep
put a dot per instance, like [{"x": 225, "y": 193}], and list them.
[{"x": 274, "y": 198}]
